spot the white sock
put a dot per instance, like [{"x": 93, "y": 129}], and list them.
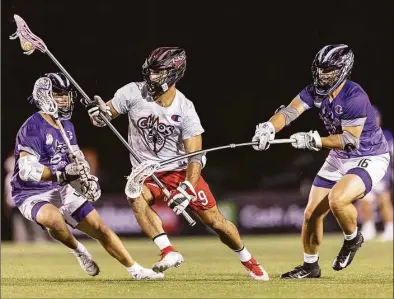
[
  {"x": 351, "y": 236},
  {"x": 311, "y": 258},
  {"x": 388, "y": 226},
  {"x": 243, "y": 254},
  {"x": 80, "y": 248},
  {"x": 162, "y": 241},
  {"x": 369, "y": 223},
  {"x": 134, "y": 268}
]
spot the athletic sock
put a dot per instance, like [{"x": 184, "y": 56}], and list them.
[
  {"x": 351, "y": 236},
  {"x": 243, "y": 254},
  {"x": 162, "y": 241},
  {"x": 80, "y": 248}
]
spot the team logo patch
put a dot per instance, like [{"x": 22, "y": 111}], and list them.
[
  {"x": 338, "y": 109},
  {"x": 49, "y": 139},
  {"x": 154, "y": 132},
  {"x": 176, "y": 118},
  {"x": 70, "y": 135}
]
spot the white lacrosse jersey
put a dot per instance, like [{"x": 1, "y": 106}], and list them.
[{"x": 156, "y": 132}]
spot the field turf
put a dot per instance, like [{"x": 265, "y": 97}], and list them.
[{"x": 210, "y": 270}]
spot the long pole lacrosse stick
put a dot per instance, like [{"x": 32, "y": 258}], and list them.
[
  {"x": 29, "y": 43},
  {"x": 232, "y": 145}
]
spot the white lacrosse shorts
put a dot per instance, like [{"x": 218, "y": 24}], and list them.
[
  {"x": 371, "y": 169},
  {"x": 72, "y": 205}
]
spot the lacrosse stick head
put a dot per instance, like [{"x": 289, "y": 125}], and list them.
[
  {"x": 138, "y": 175},
  {"x": 43, "y": 98},
  {"x": 29, "y": 41}
]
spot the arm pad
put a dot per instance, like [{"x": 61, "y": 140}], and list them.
[
  {"x": 290, "y": 114},
  {"x": 200, "y": 158},
  {"x": 30, "y": 169},
  {"x": 349, "y": 142}
]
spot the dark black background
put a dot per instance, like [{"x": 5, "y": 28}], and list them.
[{"x": 244, "y": 60}]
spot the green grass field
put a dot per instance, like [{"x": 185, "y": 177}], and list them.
[{"x": 210, "y": 271}]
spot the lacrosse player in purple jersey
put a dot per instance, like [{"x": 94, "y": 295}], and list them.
[
  {"x": 42, "y": 183},
  {"x": 358, "y": 159},
  {"x": 380, "y": 194}
]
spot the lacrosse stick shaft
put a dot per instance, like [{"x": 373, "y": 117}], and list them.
[
  {"x": 32, "y": 42},
  {"x": 65, "y": 138},
  {"x": 233, "y": 145}
]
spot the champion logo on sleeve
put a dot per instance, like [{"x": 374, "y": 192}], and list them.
[{"x": 176, "y": 118}]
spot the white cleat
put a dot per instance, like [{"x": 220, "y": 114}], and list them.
[
  {"x": 146, "y": 274},
  {"x": 87, "y": 263},
  {"x": 168, "y": 260},
  {"x": 255, "y": 270}
]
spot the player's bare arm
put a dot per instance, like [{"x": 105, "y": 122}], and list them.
[
  {"x": 265, "y": 132},
  {"x": 193, "y": 171}
]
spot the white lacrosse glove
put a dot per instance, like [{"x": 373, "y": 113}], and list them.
[
  {"x": 181, "y": 197},
  {"x": 73, "y": 171},
  {"x": 94, "y": 110},
  {"x": 89, "y": 188},
  {"x": 265, "y": 132},
  {"x": 310, "y": 140}
]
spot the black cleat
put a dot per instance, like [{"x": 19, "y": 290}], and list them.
[
  {"x": 347, "y": 252},
  {"x": 303, "y": 272}
]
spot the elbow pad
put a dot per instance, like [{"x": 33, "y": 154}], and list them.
[
  {"x": 349, "y": 142},
  {"x": 290, "y": 114},
  {"x": 200, "y": 158},
  {"x": 30, "y": 170}
]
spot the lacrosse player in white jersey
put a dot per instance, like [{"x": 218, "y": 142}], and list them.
[
  {"x": 45, "y": 176},
  {"x": 163, "y": 124}
]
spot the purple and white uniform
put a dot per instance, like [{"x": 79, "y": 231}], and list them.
[
  {"x": 351, "y": 107},
  {"x": 386, "y": 182},
  {"x": 39, "y": 138}
]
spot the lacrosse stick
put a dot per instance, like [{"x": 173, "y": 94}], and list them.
[
  {"x": 29, "y": 43},
  {"x": 232, "y": 145}
]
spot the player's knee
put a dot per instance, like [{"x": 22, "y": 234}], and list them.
[
  {"x": 308, "y": 214},
  {"x": 336, "y": 199},
  {"x": 53, "y": 221},
  {"x": 103, "y": 231}
]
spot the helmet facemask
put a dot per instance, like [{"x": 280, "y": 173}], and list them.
[
  {"x": 163, "y": 68},
  {"x": 65, "y": 103},
  {"x": 330, "y": 68}
]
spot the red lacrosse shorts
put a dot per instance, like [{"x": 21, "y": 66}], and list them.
[{"x": 171, "y": 180}]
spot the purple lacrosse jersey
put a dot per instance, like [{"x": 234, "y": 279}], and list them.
[
  {"x": 389, "y": 137},
  {"x": 37, "y": 137},
  {"x": 351, "y": 107}
]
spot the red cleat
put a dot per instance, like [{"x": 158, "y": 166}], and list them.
[{"x": 255, "y": 270}]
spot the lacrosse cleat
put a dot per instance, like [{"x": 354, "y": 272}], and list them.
[
  {"x": 255, "y": 270},
  {"x": 140, "y": 273},
  {"x": 87, "y": 263},
  {"x": 169, "y": 258}
]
